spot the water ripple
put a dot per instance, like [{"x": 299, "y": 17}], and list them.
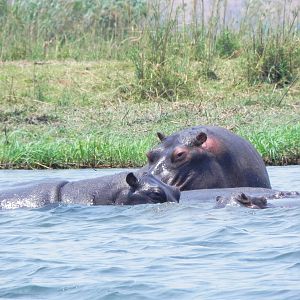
[{"x": 164, "y": 251}]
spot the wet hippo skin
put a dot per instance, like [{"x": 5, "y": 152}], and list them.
[
  {"x": 119, "y": 189},
  {"x": 206, "y": 157}
]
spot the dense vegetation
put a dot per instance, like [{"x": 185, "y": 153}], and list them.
[{"x": 88, "y": 83}]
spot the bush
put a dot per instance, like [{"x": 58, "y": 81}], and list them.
[
  {"x": 227, "y": 43},
  {"x": 274, "y": 61}
]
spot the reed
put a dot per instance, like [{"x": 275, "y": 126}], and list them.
[
  {"x": 58, "y": 29},
  {"x": 156, "y": 33},
  {"x": 159, "y": 71},
  {"x": 272, "y": 55}
]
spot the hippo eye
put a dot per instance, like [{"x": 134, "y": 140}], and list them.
[
  {"x": 156, "y": 193},
  {"x": 157, "y": 196},
  {"x": 179, "y": 154}
]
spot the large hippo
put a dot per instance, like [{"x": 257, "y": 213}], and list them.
[
  {"x": 120, "y": 189},
  {"x": 206, "y": 157},
  {"x": 250, "y": 197}
]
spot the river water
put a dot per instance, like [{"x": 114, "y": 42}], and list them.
[{"x": 164, "y": 251}]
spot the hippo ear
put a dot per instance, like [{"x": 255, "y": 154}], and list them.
[
  {"x": 132, "y": 180},
  {"x": 161, "y": 136},
  {"x": 200, "y": 139}
]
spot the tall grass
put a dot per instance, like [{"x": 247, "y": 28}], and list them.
[
  {"x": 162, "y": 38},
  {"x": 159, "y": 71},
  {"x": 70, "y": 114},
  {"x": 272, "y": 54},
  {"x": 59, "y": 29}
]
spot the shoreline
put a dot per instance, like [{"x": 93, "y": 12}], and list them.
[{"x": 99, "y": 167}]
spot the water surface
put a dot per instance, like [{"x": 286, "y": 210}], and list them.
[{"x": 164, "y": 251}]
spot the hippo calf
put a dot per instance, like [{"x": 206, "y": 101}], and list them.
[
  {"x": 207, "y": 157},
  {"x": 244, "y": 196},
  {"x": 260, "y": 202},
  {"x": 242, "y": 200},
  {"x": 119, "y": 189}
]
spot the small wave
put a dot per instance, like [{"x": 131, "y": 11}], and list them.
[{"x": 27, "y": 291}]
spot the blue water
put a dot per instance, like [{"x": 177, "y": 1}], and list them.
[{"x": 164, "y": 251}]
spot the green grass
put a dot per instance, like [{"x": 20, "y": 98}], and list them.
[
  {"x": 85, "y": 114},
  {"x": 279, "y": 145},
  {"x": 93, "y": 151}
]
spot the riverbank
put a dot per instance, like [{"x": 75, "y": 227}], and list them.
[{"x": 90, "y": 114}]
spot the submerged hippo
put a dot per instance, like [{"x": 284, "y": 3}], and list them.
[
  {"x": 119, "y": 189},
  {"x": 206, "y": 157},
  {"x": 260, "y": 202},
  {"x": 243, "y": 196}
]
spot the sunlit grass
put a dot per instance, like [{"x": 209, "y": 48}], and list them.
[
  {"x": 91, "y": 152},
  {"x": 279, "y": 145}
]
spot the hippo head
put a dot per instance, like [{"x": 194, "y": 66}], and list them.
[
  {"x": 258, "y": 202},
  {"x": 206, "y": 157},
  {"x": 149, "y": 189},
  {"x": 179, "y": 159}
]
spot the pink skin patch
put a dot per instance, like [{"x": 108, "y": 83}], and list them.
[
  {"x": 183, "y": 153},
  {"x": 212, "y": 145}
]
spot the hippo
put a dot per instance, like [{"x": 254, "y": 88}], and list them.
[
  {"x": 249, "y": 197},
  {"x": 119, "y": 189},
  {"x": 207, "y": 157},
  {"x": 260, "y": 202}
]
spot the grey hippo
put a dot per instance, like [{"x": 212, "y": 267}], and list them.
[
  {"x": 206, "y": 157},
  {"x": 120, "y": 189}
]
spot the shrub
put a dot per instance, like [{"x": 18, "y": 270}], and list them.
[
  {"x": 274, "y": 61},
  {"x": 227, "y": 43}
]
